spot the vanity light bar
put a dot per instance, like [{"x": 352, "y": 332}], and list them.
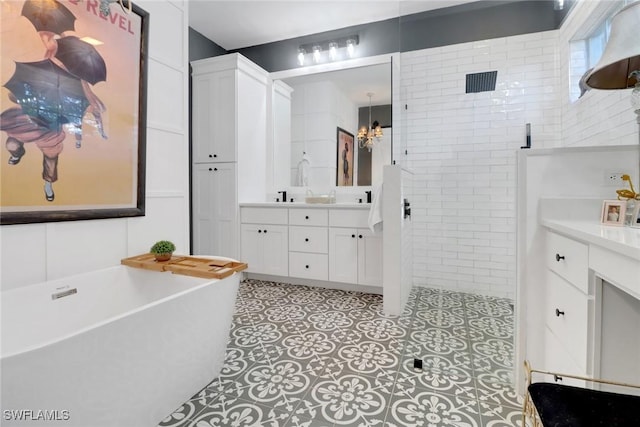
[{"x": 332, "y": 46}]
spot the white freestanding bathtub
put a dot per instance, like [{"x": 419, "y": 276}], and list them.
[{"x": 126, "y": 349}]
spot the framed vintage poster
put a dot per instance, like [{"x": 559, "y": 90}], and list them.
[
  {"x": 72, "y": 110},
  {"x": 344, "y": 155}
]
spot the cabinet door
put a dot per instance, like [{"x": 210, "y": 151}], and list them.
[
  {"x": 251, "y": 244},
  {"x": 369, "y": 258},
  {"x": 214, "y": 117},
  {"x": 343, "y": 255},
  {"x": 276, "y": 250},
  {"x": 215, "y": 210}
]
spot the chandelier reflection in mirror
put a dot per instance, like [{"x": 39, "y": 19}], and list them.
[{"x": 367, "y": 137}]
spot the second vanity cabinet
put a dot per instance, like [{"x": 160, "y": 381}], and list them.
[
  {"x": 567, "y": 305},
  {"x": 327, "y": 244},
  {"x": 308, "y": 243},
  {"x": 263, "y": 239},
  {"x": 355, "y": 253}
]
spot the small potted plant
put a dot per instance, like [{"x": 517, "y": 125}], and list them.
[{"x": 163, "y": 249}]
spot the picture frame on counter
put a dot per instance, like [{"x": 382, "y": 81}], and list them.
[
  {"x": 635, "y": 216},
  {"x": 613, "y": 212}
]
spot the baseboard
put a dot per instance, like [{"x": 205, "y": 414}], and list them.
[{"x": 317, "y": 283}]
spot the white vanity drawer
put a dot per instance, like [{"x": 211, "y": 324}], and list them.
[
  {"x": 557, "y": 359},
  {"x": 263, "y": 216},
  {"x": 309, "y": 266},
  {"x": 316, "y": 217},
  {"x": 358, "y": 218},
  {"x": 567, "y": 316},
  {"x": 309, "y": 239},
  {"x": 569, "y": 258}
]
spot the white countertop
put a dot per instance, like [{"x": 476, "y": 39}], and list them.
[
  {"x": 623, "y": 240},
  {"x": 364, "y": 206}
]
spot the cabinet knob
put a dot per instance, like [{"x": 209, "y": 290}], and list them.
[
  {"x": 557, "y": 377},
  {"x": 353, "y": 236},
  {"x": 215, "y": 169},
  {"x": 558, "y": 313},
  {"x": 306, "y": 266},
  {"x": 210, "y": 155},
  {"x": 210, "y": 169},
  {"x": 259, "y": 231},
  {"x": 306, "y": 239},
  {"x": 559, "y": 257},
  {"x": 359, "y": 236},
  {"x": 306, "y": 217},
  {"x": 265, "y": 231},
  {"x": 215, "y": 155}
]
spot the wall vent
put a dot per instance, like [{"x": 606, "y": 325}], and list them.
[{"x": 481, "y": 82}]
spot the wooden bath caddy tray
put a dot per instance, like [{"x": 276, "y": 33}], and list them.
[{"x": 207, "y": 268}]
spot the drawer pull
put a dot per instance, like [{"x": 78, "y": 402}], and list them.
[
  {"x": 265, "y": 231},
  {"x": 306, "y": 266},
  {"x": 215, "y": 155},
  {"x": 210, "y": 156},
  {"x": 360, "y": 236},
  {"x": 557, "y": 377},
  {"x": 215, "y": 169},
  {"x": 259, "y": 231},
  {"x": 306, "y": 239},
  {"x": 210, "y": 169},
  {"x": 559, "y": 257},
  {"x": 558, "y": 313},
  {"x": 353, "y": 236}
]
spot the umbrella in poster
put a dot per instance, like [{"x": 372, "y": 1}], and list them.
[
  {"x": 81, "y": 59},
  {"x": 48, "y": 15},
  {"x": 48, "y": 93}
]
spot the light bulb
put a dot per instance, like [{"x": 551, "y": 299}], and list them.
[
  {"x": 351, "y": 48},
  {"x": 333, "y": 51},
  {"x": 316, "y": 54}
]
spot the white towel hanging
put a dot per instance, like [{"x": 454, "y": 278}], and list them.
[
  {"x": 375, "y": 212},
  {"x": 302, "y": 179}
]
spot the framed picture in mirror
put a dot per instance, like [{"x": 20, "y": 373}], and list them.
[{"x": 344, "y": 158}]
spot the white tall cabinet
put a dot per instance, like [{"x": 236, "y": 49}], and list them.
[{"x": 229, "y": 131}]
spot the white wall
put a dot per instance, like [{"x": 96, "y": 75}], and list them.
[
  {"x": 37, "y": 252},
  {"x": 462, "y": 149}
]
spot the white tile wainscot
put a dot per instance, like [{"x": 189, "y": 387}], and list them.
[
  {"x": 593, "y": 299},
  {"x": 328, "y": 245}
]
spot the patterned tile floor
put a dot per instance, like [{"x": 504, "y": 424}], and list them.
[{"x": 304, "y": 356}]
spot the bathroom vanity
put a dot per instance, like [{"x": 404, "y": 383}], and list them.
[
  {"x": 592, "y": 309},
  {"x": 578, "y": 305},
  {"x": 329, "y": 244}
]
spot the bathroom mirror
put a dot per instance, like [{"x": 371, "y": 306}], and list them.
[{"x": 321, "y": 102}]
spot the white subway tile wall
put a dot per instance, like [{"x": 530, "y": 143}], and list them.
[{"x": 462, "y": 149}]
